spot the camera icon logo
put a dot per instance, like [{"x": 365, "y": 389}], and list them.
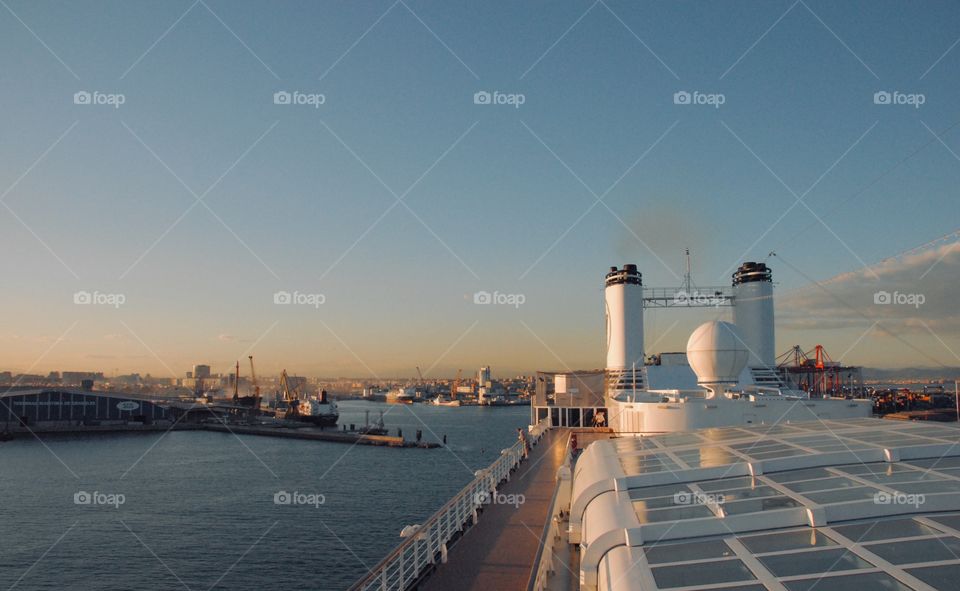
[
  {"x": 281, "y": 97},
  {"x": 681, "y": 97},
  {"x": 482, "y": 98},
  {"x": 82, "y": 297},
  {"x": 481, "y": 498},
  {"x": 682, "y": 498},
  {"x": 882, "y": 298},
  {"x": 81, "y": 98},
  {"x": 282, "y": 498},
  {"x": 282, "y": 297},
  {"x": 82, "y": 498},
  {"x": 482, "y": 297},
  {"x": 881, "y": 97}
]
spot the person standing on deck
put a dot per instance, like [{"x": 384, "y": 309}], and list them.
[{"x": 523, "y": 440}]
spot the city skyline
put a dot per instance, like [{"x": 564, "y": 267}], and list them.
[{"x": 330, "y": 191}]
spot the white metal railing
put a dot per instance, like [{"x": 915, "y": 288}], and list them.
[
  {"x": 543, "y": 566},
  {"x": 404, "y": 565}
]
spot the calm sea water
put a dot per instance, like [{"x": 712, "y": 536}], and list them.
[{"x": 198, "y": 508}]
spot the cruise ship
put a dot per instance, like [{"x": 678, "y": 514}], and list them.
[{"x": 705, "y": 470}]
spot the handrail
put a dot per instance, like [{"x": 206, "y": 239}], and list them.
[
  {"x": 405, "y": 563},
  {"x": 542, "y": 568}
]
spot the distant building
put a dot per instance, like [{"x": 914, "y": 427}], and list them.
[
  {"x": 483, "y": 377},
  {"x": 201, "y": 372},
  {"x": 28, "y": 379},
  {"x": 75, "y": 378}
]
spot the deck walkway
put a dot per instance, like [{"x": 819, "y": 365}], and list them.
[{"x": 497, "y": 553}]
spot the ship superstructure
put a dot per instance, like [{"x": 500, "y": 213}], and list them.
[{"x": 662, "y": 393}]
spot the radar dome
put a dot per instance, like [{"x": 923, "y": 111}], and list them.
[{"x": 716, "y": 353}]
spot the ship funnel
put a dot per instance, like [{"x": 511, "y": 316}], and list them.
[
  {"x": 753, "y": 312},
  {"x": 717, "y": 355},
  {"x": 623, "y": 297}
]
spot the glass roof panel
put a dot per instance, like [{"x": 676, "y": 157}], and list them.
[
  {"x": 793, "y": 475},
  {"x": 651, "y": 492},
  {"x": 910, "y": 551},
  {"x": 672, "y": 513},
  {"x": 945, "y": 486},
  {"x": 948, "y": 520},
  {"x": 729, "y": 483},
  {"x": 942, "y": 578},
  {"x": 722, "y": 571},
  {"x": 786, "y": 453},
  {"x": 886, "y": 529},
  {"x": 678, "y": 439},
  {"x": 817, "y": 561},
  {"x": 871, "y": 581},
  {"x": 740, "y": 494},
  {"x": 842, "y": 495},
  {"x": 758, "y": 505},
  {"x": 936, "y": 463},
  {"x": 632, "y": 444},
  {"x": 725, "y": 434},
  {"x": 821, "y": 484},
  {"x": 661, "y": 553},
  {"x": 655, "y": 503},
  {"x": 874, "y": 468},
  {"x": 709, "y": 456},
  {"x": 790, "y": 540}
]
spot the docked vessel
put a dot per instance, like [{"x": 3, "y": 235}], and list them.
[
  {"x": 441, "y": 401},
  {"x": 318, "y": 410},
  {"x": 401, "y": 395}
]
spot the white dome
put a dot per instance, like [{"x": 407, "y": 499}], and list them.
[{"x": 716, "y": 353}]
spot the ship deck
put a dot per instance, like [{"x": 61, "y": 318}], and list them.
[{"x": 499, "y": 551}]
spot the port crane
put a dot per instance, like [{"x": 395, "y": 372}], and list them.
[
  {"x": 253, "y": 381},
  {"x": 236, "y": 384},
  {"x": 290, "y": 397}
]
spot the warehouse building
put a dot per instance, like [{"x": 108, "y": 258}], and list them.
[{"x": 75, "y": 406}]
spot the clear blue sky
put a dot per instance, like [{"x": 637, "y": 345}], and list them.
[{"x": 399, "y": 80}]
